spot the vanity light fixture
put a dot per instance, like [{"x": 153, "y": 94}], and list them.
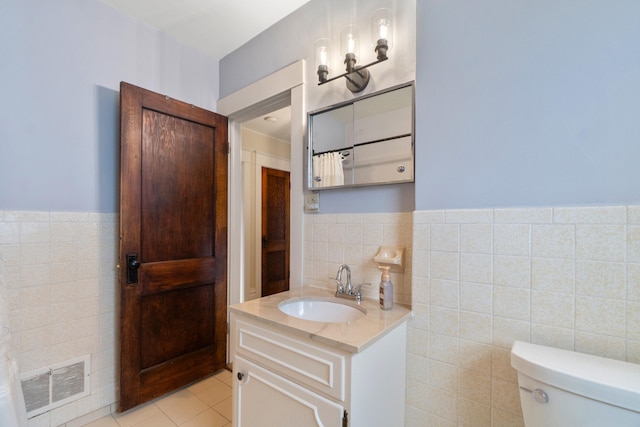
[{"x": 357, "y": 76}]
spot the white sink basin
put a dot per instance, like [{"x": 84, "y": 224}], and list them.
[{"x": 321, "y": 310}]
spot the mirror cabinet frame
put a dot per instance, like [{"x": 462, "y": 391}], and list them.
[{"x": 348, "y": 150}]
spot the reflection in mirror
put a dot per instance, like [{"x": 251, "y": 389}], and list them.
[
  {"x": 332, "y": 137},
  {"x": 368, "y": 141},
  {"x": 384, "y": 161}
]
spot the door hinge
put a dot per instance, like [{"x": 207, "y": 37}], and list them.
[
  {"x": 228, "y": 147},
  {"x": 345, "y": 419}
]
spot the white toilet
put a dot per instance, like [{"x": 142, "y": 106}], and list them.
[{"x": 560, "y": 388}]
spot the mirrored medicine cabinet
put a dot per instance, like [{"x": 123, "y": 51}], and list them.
[{"x": 366, "y": 141}]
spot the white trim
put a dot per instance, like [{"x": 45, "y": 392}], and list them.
[
  {"x": 249, "y": 290},
  {"x": 273, "y": 162},
  {"x": 280, "y": 88},
  {"x": 268, "y": 91},
  {"x": 298, "y": 126}
]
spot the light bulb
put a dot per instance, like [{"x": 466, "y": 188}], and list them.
[
  {"x": 323, "y": 55},
  {"x": 322, "y": 50},
  {"x": 383, "y": 28},
  {"x": 381, "y": 32},
  {"x": 349, "y": 46},
  {"x": 349, "y": 40}
]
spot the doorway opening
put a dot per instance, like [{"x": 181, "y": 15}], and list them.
[
  {"x": 266, "y": 146},
  {"x": 274, "y": 92}
]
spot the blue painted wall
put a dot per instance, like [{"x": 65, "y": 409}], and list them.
[
  {"x": 519, "y": 103},
  {"x": 527, "y": 103},
  {"x": 61, "y": 63}
]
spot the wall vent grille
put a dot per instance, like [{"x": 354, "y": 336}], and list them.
[{"x": 56, "y": 385}]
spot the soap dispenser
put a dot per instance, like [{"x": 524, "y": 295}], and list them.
[{"x": 386, "y": 288}]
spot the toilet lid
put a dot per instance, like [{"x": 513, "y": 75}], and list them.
[{"x": 611, "y": 381}]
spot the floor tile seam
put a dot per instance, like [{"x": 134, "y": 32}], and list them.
[
  {"x": 222, "y": 415},
  {"x": 188, "y": 419},
  {"x": 216, "y": 403},
  {"x": 135, "y": 410}
]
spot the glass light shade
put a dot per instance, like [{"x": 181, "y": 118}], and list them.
[
  {"x": 322, "y": 52},
  {"x": 382, "y": 30},
  {"x": 322, "y": 49},
  {"x": 349, "y": 42}
]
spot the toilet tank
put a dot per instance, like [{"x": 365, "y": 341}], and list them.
[{"x": 567, "y": 389}]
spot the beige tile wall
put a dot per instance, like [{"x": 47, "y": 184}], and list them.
[
  {"x": 58, "y": 276},
  {"x": 563, "y": 277},
  {"x": 477, "y": 281},
  {"x": 354, "y": 239}
]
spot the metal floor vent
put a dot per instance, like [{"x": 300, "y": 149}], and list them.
[{"x": 56, "y": 385}]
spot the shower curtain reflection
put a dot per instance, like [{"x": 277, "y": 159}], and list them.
[{"x": 328, "y": 170}]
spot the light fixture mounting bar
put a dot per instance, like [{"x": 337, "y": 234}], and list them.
[{"x": 354, "y": 71}]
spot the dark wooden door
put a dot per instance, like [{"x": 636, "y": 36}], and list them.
[
  {"x": 275, "y": 231},
  {"x": 173, "y": 244}
]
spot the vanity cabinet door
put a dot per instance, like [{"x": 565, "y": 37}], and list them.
[{"x": 262, "y": 398}]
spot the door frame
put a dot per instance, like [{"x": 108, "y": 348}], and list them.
[{"x": 282, "y": 88}]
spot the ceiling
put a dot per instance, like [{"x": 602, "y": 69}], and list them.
[
  {"x": 277, "y": 126},
  {"x": 216, "y": 28}
]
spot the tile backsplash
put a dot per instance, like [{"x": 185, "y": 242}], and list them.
[
  {"x": 354, "y": 239},
  {"x": 482, "y": 279}
]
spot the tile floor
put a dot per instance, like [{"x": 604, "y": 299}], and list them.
[{"x": 203, "y": 404}]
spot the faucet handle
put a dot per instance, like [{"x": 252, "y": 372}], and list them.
[{"x": 358, "y": 290}]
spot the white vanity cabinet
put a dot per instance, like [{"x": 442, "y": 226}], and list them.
[
  {"x": 268, "y": 399},
  {"x": 285, "y": 378}
]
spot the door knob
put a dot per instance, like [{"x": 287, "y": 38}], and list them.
[
  {"x": 240, "y": 376},
  {"x": 132, "y": 268}
]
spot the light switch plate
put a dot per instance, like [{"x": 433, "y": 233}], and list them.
[{"x": 312, "y": 202}]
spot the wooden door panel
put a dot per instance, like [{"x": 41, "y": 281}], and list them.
[
  {"x": 275, "y": 270},
  {"x": 173, "y": 217},
  {"x": 278, "y": 188},
  {"x": 165, "y": 336},
  {"x": 275, "y": 231},
  {"x": 176, "y": 176},
  {"x": 165, "y": 376},
  {"x": 172, "y": 275}
]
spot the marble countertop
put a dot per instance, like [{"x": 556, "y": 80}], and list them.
[{"x": 353, "y": 336}]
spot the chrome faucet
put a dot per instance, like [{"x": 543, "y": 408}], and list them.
[
  {"x": 342, "y": 289},
  {"x": 347, "y": 291}
]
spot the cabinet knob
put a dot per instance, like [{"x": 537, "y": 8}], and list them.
[{"x": 240, "y": 376}]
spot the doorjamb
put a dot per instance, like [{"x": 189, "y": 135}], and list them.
[{"x": 284, "y": 87}]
